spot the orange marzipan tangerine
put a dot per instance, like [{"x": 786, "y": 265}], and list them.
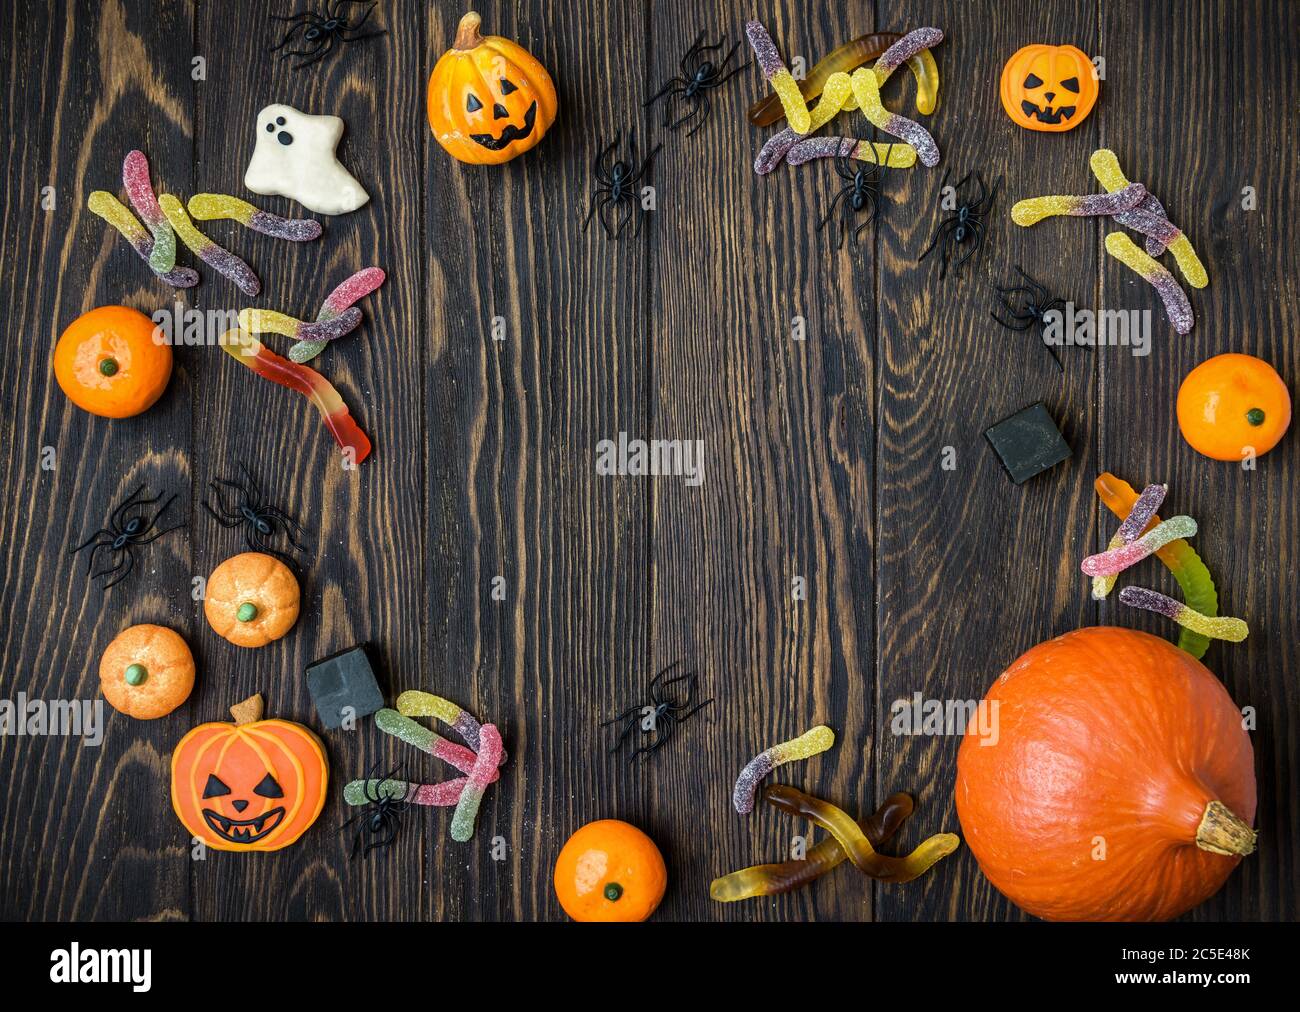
[
  {"x": 1233, "y": 406},
  {"x": 610, "y": 871},
  {"x": 109, "y": 364}
]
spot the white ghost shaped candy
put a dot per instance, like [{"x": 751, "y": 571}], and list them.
[{"x": 294, "y": 157}]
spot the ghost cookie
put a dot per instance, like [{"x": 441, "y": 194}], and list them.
[{"x": 294, "y": 158}]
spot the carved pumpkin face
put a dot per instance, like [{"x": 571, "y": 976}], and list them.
[
  {"x": 489, "y": 99},
  {"x": 253, "y": 785},
  {"x": 1049, "y": 88}
]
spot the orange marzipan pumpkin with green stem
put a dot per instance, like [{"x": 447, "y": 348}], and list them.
[
  {"x": 1119, "y": 784},
  {"x": 489, "y": 98}
]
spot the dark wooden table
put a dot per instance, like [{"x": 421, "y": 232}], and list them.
[{"x": 824, "y": 456}]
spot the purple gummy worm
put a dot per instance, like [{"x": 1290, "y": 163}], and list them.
[
  {"x": 769, "y": 60},
  {"x": 331, "y": 329},
  {"x": 916, "y": 135},
  {"x": 1141, "y": 513},
  {"x": 293, "y": 229},
  {"x": 905, "y": 48},
  {"x": 821, "y": 147},
  {"x": 1175, "y": 300},
  {"x": 1096, "y": 204},
  {"x": 1157, "y": 228},
  {"x": 1140, "y": 597}
]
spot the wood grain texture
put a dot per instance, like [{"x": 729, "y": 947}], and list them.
[{"x": 823, "y": 456}]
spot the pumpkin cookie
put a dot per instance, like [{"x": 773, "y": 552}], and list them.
[
  {"x": 251, "y": 599},
  {"x": 252, "y": 785},
  {"x": 146, "y": 672}
]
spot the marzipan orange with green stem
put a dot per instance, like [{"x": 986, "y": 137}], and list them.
[
  {"x": 109, "y": 364},
  {"x": 1233, "y": 406},
  {"x": 610, "y": 871}
]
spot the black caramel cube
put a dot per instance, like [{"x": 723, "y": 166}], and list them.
[
  {"x": 1028, "y": 443},
  {"x": 343, "y": 684}
]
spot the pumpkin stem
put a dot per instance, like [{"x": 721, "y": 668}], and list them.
[
  {"x": 467, "y": 35},
  {"x": 1221, "y": 832},
  {"x": 250, "y": 710}
]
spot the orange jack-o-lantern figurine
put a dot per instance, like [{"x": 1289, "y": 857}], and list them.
[
  {"x": 1051, "y": 88},
  {"x": 489, "y": 99},
  {"x": 252, "y": 785}
]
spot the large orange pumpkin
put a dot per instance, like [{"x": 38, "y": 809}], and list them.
[
  {"x": 252, "y": 785},
  {"x": 1119, "y": 784},
  {"x": 1050, "y": 88},
  {"x": 489, "y": 98}
]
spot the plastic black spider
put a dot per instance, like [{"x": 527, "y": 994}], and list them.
[
  {"x": 319, "y": 30},
  {"x": 381, "y": 817},
  {"x": 260, "y": 518},
  {"x": 699, "y": 76},
  {"x": 662, "y": 711},
  {"x": 616, "y": 186},
  {"x": 862, "y": 190},
  {"x": 966, "y": 223},
  {"x": 125, "y": 533},
  {"x": 1030, "y": 311}
]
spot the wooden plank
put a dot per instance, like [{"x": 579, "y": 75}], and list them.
[
  {"x": 785, "y": 412},
  {"x": 1222, "y": 72},
  {"x": 364, "y": 582},
  {"x": 513, "y": 427},
  {"x": 86, "y": 832},
  {"x": 972, "y": 570}
]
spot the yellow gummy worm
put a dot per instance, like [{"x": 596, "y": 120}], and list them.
[
  {"x": 926, "y": 73},
  {"x": 895, "y": 156},
  {"x": 181, "y": 224},
  {"x": 792, "y": 101},
  {"x": 837, "y": 91},
  {"x": 1105, "y": 166},
  {"x": 267, "y": 321},
  {"x": 113, "y": 211},
  {"x": 207, "y": 206},
  {"x": 414, "y": 703}
]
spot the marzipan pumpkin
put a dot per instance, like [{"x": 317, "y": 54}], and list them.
[
  {"x": 146, "y": 672},
  {"x": 252, "y": 785},
  {"x": 251, "y": 599},
  {"x": 489, "y": 99},
  {"x": 1120, "y": 783},
  {"x": 1051, "y": 88}
]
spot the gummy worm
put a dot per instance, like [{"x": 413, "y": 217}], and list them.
[
  {"x": 778, "y": 76},
  {"x": 1234, "y": 630},
  {"x": 113, "y": 211},
  {"x": 767, "y": 110},
  {"x": 1035, "y": 209},
  {"x": 1118, "y": 559},
  {"x": 262, "y": 321},
  {"x": 135, "y": 177},
  {"x": 430, "y": 742},
  {"x": 895, "y": 156},
  {"x": 248, "y": 350},
  {"x": 1179, "y": 557},
  {"x": 222, "y": 260},
  {"x": 489, "y": 758},
  {"x": 855, "y": 843},
  {"x": 207, "y": 206},
  {"x": 1133, "y": 527},
  {"x": 414, "y": 703},
  {"x": 1177, "y": 308},
  {"x": 440, "y": 795},
  {"x": 1105, "y": 166},
  {"x": 810, "y": 743},
  {"x": 866, "y": 89},
  {"x": 771, "y": 879},
  {"x": 357, "y": 287}
]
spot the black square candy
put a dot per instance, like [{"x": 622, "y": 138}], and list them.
[
  {"x": 343, "y": 685},
  {"x": 1028, "y": 443}
]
